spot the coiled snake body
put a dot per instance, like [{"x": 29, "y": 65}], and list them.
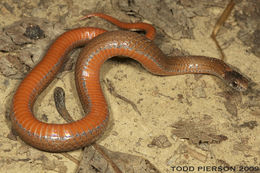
[{"x": 66, "y": 137}]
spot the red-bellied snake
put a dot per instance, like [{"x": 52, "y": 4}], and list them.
[{"x": 101, "y": 45}]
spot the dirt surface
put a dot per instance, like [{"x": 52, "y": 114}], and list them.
[{"x": 187, "y": 120}]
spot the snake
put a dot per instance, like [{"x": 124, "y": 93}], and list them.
[{"x": 100, "y": 45}]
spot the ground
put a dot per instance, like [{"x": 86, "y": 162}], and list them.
[{"x": 186, "y": 120}]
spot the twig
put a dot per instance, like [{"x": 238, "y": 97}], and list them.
[
  {"x": 219, "y": 24},
  {"x": 112, "y": 91},
  {"x": 70, "y": 157},
  {"x": 107, "y": 158}
]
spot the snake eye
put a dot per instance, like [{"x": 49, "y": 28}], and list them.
[{"x": 234, "y": 84}]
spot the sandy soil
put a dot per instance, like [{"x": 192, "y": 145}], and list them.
[{"x": 187, "y": 120}]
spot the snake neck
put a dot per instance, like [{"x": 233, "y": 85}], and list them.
[{"x": 195, "y": 65}]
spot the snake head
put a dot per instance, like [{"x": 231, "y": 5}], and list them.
[{"x": 236, "y": 80}]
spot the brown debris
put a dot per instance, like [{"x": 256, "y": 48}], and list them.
[
  {"x": 197, "y": 132},
  {"x": 250, "y": 124},
  {"x": 165, "y": 11},
  {"x": 233, "y": 100},
  {"x": 195, "y": 154},
  {"x": 17, "y": 56},
  {"x": 34, "y": 32},
  {"x": 161, "y": 142},
  {"x": 92, "y": 161},
  {"x": 247, "y": 17}
]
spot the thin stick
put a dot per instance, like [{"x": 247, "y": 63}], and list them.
[{"x": 219, "y": 24}]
